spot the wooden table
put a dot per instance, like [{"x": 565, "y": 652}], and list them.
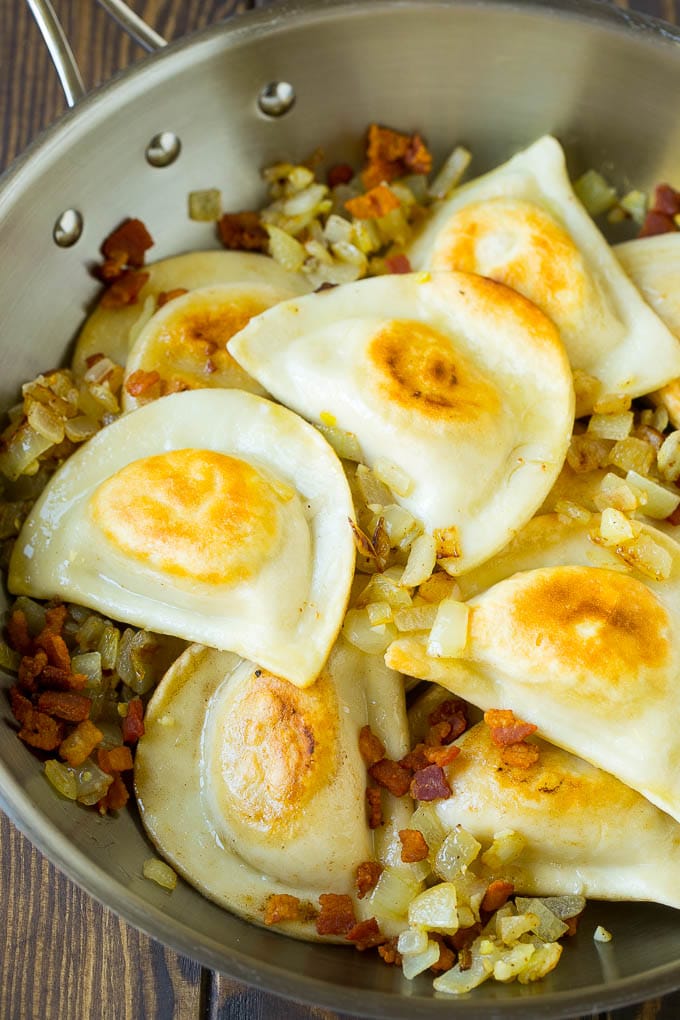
[{"x": 63, "y": 956}]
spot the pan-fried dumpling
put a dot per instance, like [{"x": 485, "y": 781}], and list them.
[
  {"x": 570, "y": 636},
  {"x": 107, "y": 330},
  {"x": 653, "y": 264},
  {"x": 571, "y": 816},
  {"x": 252, "y": 787},
  {"x": 521, "y": 224},
  {"x": 458, "y": 381},
  {"x": 213, "y": 515}
]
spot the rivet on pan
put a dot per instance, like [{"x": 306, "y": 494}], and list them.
[
  {"x": 68, "y": 228},
  {"x": 276, "y": 98},
  {"x": 163, "y": 149}
]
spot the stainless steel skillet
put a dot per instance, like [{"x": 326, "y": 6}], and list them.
[{"x": 492, "y": 75}]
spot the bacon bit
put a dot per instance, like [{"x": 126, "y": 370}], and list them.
[
  {"x": 391, "y": 775},
  {"x": 65, "y": 705},
  {"x": 430, "y": 784},
  {"x": 54, "y": 678},
  {"x": 174, "y": 386},
  {"x": 92, "y": 359},
  {"x": 464, "y": 937},
  {"x": 418, "y": 158},
  {"x": 438, "y": 734},
  {"x": 30, "y": 668},
  {"x": 115, "y": 798},
  {"x": 453, "y": 712},
  {"x": 506, "y": 729},
  {"x": 17, "y": 632},
  {"x": 657, "y": 223},
  {"x": 140, "y": 383},
  {"x": 127, "y": 244},
  {"x": 371, "y": 747},
  {"x": 416, "y": 759},
  {"x": 41, "y": 731},
  {"x": 389, "y": 953},
  {"x": 124, "y": 291},
  {"x": 442, "y": 756},
  {"x": 414, "y": 846},
  {"x": 666, "y": 200},
  {"x": 520, "y": 756},
  {"x": 674, "y": 518},
  {"x": 170, "y": 295},
  {"x": 282, "y": 907},
  {"x": 374, "y": 804},
  {"x": 497, "y": 895},
  {"x": 55, "y": 618},
  {"x": 368, "y": 873},
  {"x": 341, "y": 173},
  {"x": 398, "y": 264},
  {"x": 133, "y": 724},
  {"x": 386, "y": 145},
  {"x": 114, "y": 759},
  {"x": 366, "y": 935},
  {"x": 572, "y": 925},
  {"x": 21, "y": 707},
  {"x": 55, "y": 648},
  {"x": 243, "y": 231},
  {"x": 447, "y": 957},
  {"x": 336, "y": 916},
  {"x": 377, "y": 202},
  {"x": 80, "y": 744}
]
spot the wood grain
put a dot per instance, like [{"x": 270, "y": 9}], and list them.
[{"x": 62, "y": 956}]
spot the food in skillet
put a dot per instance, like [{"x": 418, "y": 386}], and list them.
[{"x": 430, "y": 887}]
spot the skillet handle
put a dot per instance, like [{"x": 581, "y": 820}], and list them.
[{"x": 60, "y": 50}]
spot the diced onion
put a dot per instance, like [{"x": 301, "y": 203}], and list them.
[
  {"x": 393, "y": 476},
  {"x": 451, "y": 172},
  {"x": 412, "y": 941},
  {"x": 668, "y": 457},
  {"x": 456, "y": 853},
  {"x": 631, "y": 454},
  {"x": 160, "y": 873},
  {"x": 615, "y": 527},
  {"x": 205, "y": 206},
  {"x": 661, "y": 502},
  {"x": 435, "y": 909},
  {"x": 595, "y": 193},
  {"x": 415, "y": 964},
  {"x": 416, "y": 617},
  {"x": 359, "y": 632},
  {"x": 458, "y": 982},
  {"x": 506, "y": 847},
  {"x": 611, "y": 426},
  {"x": 345, "y": 444},
  {"x": 420, "y": 563},
  {"x": 448, "y": 637},
  {"x": 602, "y": 934},
  {"x": 393, "y": 893}
]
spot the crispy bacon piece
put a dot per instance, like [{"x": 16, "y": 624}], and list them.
[
  {"x": 506, "y": 729},
  {"x": 398, "y": 264},
  {"x": 133, "y": 724},
  {"x": 423, "y": 755},
  {"x": 572, "y": 924},
  {"x": 55, "y": 648},
  {"x": 377, "y": 202},
  {"x": 374, "y": 805},
  {"x": 170, "y": 295},
  {"x": 415, "y": 759},
  {"x": 115, "y": 798},
  {"x": 368, "y": 873},
  {"x": 37, "y": 729},
  {"x": 54, "y": 678},
  {"x": 447, "y": 957},
  {"x": 282, "y": 907},
  {"x": 65, "y": 705},
  {"x": 418, "y": 158},
  {"x": 336, "y": 916},
  {"x": 143, "y": 384},
  {"x": 657, "y": 223},
  {"x": 127, "y": 244},
  {"x": 55, "y": 618},
  {"x": 438, "y": 734},
  {"x": 391, "y": 775},
  {"x": 666, "y": 200},
  {"x": 124, "y": 290},
  {"x": 80, "y": 744},
  {"x": 497, "y": 895},
  {"x": 674, "y": 518},
  {"x": 389, "y": 952},
  {"x": 414, "y": 846},
  {"x": 442, "y": 756},
  {"x": 520, "y": 756},
  {"x": 366, "y": 935},
  {"x": 114, "y": 759},
  {"x": 17, "y": 632},
  {"x": 30, "y": 668},
  {"x": 371, "y": 747},
  {"x": 20, "y": 705},
  {"x": 243, "y": 231},
  {"x": 464, "y": 937},
  {"x": 430, "y": 784},
  {"x": 453, "y": 712},
  {"x": 341, "y": 173}
]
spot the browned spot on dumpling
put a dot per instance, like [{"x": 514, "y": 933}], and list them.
[
  {"x": 418, "y": 368},
  {"x": 279, "y": 750}
]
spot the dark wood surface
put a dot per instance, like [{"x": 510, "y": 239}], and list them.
[{"x": 62, "y": 956}]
